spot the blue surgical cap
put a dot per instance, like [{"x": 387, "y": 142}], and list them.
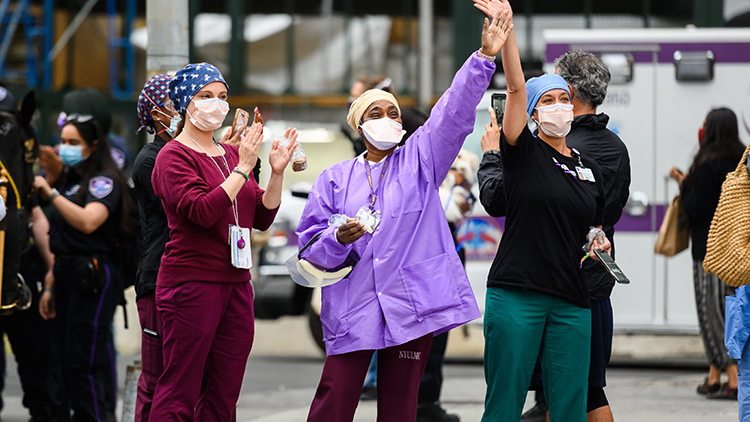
[
  {"x": 536, "y": 87},
  {"x": 189, "y": 80}
]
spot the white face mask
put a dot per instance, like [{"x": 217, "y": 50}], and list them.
[
  {"x": 209, "y": 114},
  {"x": 555, "y": 119},
  {"x": 383, "y": 133}
]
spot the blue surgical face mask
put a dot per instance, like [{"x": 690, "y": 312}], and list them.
[
  {"x": 71, "y": 155},
  {"x": 172, "y": 129}
]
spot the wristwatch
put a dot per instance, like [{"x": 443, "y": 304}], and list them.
[{"x": 55, "y": 193}]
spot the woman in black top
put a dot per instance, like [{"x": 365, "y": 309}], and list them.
[
  {"x": 720, "y": 151},
  {"x": 88, "y": 221},
  {"x": 537, "y": 300}
]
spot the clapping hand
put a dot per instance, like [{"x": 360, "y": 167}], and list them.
[
  {"x": 249, "y": 146},
  {"x": 279, "y": 156},
  {"x": 51, "y": 162}
]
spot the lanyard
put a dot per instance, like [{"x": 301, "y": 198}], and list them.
[
  {"x": 380, "y": 182},
  {"x": 235, "y": 211},
  {"x": 573, "y": 152}
]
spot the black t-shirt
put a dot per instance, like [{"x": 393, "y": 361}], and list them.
[
  {"x": 700, "y": 195},
  {"x": 549, "y": 211},
  {"x": 152, "y": 218},
  {"x": 66, "y": 240}
]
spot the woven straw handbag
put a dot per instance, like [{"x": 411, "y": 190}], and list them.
[{"x": 728, "y": 248}]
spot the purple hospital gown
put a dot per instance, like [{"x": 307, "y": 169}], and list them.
[{"x": 409, "y": 281}]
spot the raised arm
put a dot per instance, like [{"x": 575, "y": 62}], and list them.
[
  {"x": 515, "y": 117},
  {"x": 452, "y": 118}
]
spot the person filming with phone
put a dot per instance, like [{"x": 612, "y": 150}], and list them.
[{"x": 537, "y": 298}]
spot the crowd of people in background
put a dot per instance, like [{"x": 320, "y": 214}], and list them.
[{"x": 561, "y": 184}]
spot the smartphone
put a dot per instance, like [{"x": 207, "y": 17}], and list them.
[
  {"x": 241, "y": 118},
  {"x": 498, "y": 104},
  {"x": 612, "y": 268}
]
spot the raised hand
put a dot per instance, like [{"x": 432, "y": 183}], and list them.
[
  {"x": 492, "y": 8},
  {"x": 495, "y": 33},
  {"x": 279, "y": 156}
]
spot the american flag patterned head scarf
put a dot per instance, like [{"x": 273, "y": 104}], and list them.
[
  {"x": 191, "y": 79},
  {"x": 154, "y": 94}
]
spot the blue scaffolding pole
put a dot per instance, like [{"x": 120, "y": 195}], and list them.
[
  {"x": 121, "y": 89},
  {"x": 32, "y": 31}
]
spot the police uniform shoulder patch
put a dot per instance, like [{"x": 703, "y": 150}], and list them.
[{"x": 101, "y": 186}]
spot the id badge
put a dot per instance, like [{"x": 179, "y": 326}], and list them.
[
  {"x": 371, "y": 219},
  {"x": 581, "y": 173},
  {"x": 239, "y": 244},
  {"x": 585, "y": 174}
]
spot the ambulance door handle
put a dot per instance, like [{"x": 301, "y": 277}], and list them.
[{"x": 637, "y": 205}]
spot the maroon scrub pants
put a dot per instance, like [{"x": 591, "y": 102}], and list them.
[
  {"x": 152, "y": 359},
  {"x": 400, "y": 370},
  {"x": 208, "y": 332}
]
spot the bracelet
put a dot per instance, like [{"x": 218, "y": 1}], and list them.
[
  {"x": 238, "y": 171},
  {"x": 48, "y": 289},
  {"x": 486, "y": 57},
  {"x": 55, "y": 193}
]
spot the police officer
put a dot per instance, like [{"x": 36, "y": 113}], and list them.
[
  {"x": 28, "y": 333},
  {"x": 88, "y": 220}
]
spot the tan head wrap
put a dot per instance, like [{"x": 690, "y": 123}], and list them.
[{"x": 361, "y": 104}]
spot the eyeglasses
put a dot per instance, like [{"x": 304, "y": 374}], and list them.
[{"x": 78, "y": 118}]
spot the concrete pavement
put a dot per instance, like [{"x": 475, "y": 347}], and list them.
[{"x": 284, "y": 369}]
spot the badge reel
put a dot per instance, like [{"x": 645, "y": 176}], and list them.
[
  {"x": 239, "y": 243},
  {"x": 307, "y": 275}
]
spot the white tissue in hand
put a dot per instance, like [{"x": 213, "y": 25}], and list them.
[{"x": 337, "y": 220}]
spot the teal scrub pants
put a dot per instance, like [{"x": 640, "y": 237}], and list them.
[{"x": 520, "y": 325}]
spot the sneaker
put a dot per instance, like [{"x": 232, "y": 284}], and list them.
[
  {"x": 538, "y": 413},
  {"x": 726, "y": 393},
  {"x": 369, "y": 393},
  {"x": 707, "y": 388},
  {"x": 433, "y": 412}
]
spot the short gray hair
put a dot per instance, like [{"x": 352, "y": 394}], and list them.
[{"x": 586, "y": 73}]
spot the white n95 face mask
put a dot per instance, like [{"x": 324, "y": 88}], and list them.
[
  {"x": 555, "y": 119},
  {"x": 383, "y": 133}
]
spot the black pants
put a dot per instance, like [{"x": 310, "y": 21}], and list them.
[
  {"x": 432, "y": 380},
  {"x": 85, "y": 341},
  {"x": 30, "y": 337}
]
